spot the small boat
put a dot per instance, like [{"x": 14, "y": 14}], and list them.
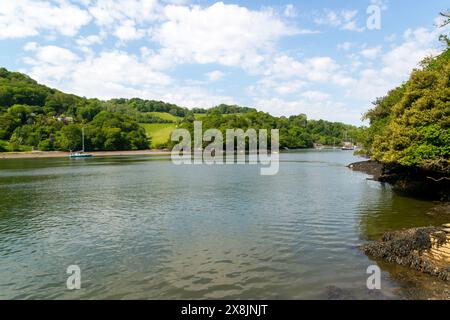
[
  {"x": 80, "y": 154},
  {"x": 318, "y": 146},
  {"x": 348, "y": 146}
]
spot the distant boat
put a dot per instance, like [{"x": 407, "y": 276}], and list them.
[
  {"x": 81, "y": 154},
  {"x": 348, "y": 146},
  {"x": 318, "y": 146}
]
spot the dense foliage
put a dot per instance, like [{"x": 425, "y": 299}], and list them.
[
  {"x": 410, "y": 126},
  {"x": 35, "y": 116},
  {"x": 295, "y": 132},
  {"x": 46, "y": 119}
]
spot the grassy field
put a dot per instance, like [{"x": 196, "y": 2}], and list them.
[
  {"x": 199, "y": 116},
  {"x": 165, "y": 116},
  {"x": 158, "y": 132}
]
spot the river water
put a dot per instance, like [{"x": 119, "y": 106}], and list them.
[{"x": 140, "y": 227}]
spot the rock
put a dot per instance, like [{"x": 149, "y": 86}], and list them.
[
  {"x": 441, "y": 209},
  {"x": 373, "y": 168},
  {"x": 410, "y": 181},
  {"x": 406, "y": 247}
]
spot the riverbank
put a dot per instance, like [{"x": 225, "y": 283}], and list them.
[
  {"x": 424, "y": 249},
  {"x": 413, "y": 182},
  {"x": 61, "y": 154}
]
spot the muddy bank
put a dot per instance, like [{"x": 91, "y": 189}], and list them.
[
  {"x": 409, "y": 181},
  {"x": 423, "y": 249}
]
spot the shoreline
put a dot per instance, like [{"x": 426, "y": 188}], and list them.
[
  {"x": 413, "y": 182},
  {"x": 63, "y": 154}
]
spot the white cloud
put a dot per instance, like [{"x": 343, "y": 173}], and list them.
[
  {"x": 316, "y": 69},
  {"x": 93, "y": 76},
  {"x": 396, "y": 64},
  {"x": 290, "y": 11},
  {"x": 315, "y": 95},
  {"x": 371, "y": 53},
  {"x": 127, "y": 31},
  {"x": 352, "y": 26},
  {"x": 215, "y": 75},
  {"x": 112, "y": 74},
  {"x": 23, "y": 18},
  {"x": 349, "y": 15},
  {"x": 270, "y": 86},
  {"x": 344, "y": 20},
  {"x": 88, "y": 41},
  {"x": 50, "y": 64},
  {"x": 391, "y": 38},
  {"x": 328, "y": 109},
  {"x": 193, "y": 96},
  {"x": 226, "y": 34},
  {"x": 221, "y": 35},
  {"x": 345, "y": 46},
  {"x": 289, "y": 87},
  {"x": 383, "y": 4},
  {"x": 107, "y": 13}
]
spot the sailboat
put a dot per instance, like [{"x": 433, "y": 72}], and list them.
[
  {"x": 348, "y": 145},
  {"x": 81, "y": 154}
]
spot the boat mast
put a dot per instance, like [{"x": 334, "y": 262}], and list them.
[{"x": 82, "y": 138}]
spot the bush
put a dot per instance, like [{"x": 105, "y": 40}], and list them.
[{"x": 45, "y": 145}]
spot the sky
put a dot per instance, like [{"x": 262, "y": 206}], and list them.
[{"x": 328, "y": 59}]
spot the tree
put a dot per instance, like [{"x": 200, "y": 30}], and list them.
[
  {"x": 69, "y": 138},
  {"x": 411, "y": 125}
]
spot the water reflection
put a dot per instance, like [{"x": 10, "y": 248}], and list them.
[{"x": 140, "y": 227}]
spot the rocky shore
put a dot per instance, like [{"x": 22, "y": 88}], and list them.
[
  {"x": 424, "y": 249},
  {"x": 409, "y": 181}
]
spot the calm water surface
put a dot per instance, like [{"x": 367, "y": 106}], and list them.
[{"x": 141, "y": 227}]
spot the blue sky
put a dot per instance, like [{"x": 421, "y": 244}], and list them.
[{"x": 320, "y": 58}]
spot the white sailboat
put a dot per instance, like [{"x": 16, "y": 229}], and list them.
[
  {"x": 348, "y": 145},
  {"x": 81, "y": 154}
]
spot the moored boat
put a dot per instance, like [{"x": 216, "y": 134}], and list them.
[{"x": 80, "y": 154}]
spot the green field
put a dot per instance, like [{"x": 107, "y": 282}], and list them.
[
  {"x": 165, "y": 116},
  {"x": 159, "y": 133},
  {"x": 199, "y": 116}
]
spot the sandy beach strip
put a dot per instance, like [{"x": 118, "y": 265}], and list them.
[{"x": 60, "y": 154}]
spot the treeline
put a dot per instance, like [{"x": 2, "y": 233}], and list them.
[
  {"x": 296, "y": 132},
  {"x": 410, "y": 125},
  {"x": 35, "y": 116},
  {"x": 146, "y": 106}
]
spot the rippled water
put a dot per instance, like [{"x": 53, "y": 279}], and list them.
[{"x": 141, "y": 227}]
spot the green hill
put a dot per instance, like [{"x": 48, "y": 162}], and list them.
[
  {"x": 35, "y": 116},
  {"x": 166, "y": 116},
  {"x": 158, "y": 133}
]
